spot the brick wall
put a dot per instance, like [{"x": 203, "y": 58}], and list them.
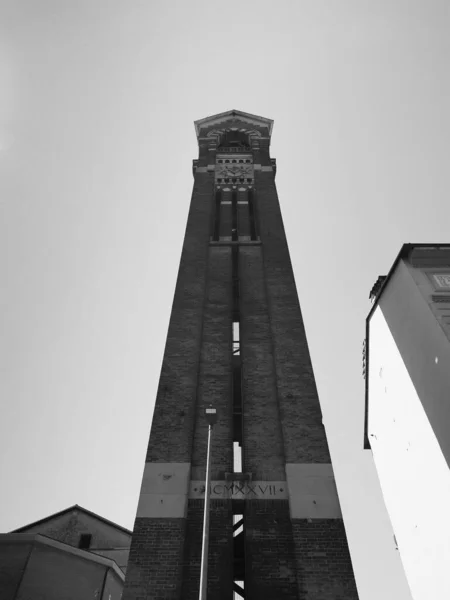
[
  {"x": 175, "y": 408},
  {"x": 270, "y": 551},
  {"x": 323, "y": 561},
  {"x": 301, "y": 417},
  {"x": 215, "y": 368},
  {"x": 220, "y": 551},
  {"x": 156, "y": 559},
  {"x": 263, "y": 445}
]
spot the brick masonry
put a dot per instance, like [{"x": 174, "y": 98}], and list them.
[
  {"x": 175, "y": 408},
  {"x": 324, "y": 566},
  {"x": 301, "y": 417},
  {"x": 286, "y": 559},
  {"x": 270, "y": 551},
  {"x": 220, "y": 551},
  {"x": 156, "y": 560},
  {"x": 263, "y": 446},
  {"x": 215, "y": 368}
]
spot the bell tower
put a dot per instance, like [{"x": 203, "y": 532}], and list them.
[{"x": 236, "y": 340}]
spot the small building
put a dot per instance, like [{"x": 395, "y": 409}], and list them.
[
  {"x": 407, "y": 416},
  {"x": 72, "y": 554}
]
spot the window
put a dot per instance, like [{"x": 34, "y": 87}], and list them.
[
  {"x": 85, "y": 541},
  {"x": 236, "y": 339},
  {"x": 237, "y": 457}
]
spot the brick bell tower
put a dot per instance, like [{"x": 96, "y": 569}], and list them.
[{"x": 236, "y": 339}]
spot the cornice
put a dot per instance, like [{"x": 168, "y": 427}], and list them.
[{"x": 229, "y": 118}]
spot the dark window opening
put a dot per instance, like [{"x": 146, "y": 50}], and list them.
[
  {"x": 217, "y": 216},
  {"x": 235, "y": 140},
  {"x": 234, "y": 218},
  {"x": 243, "y": 216},
  {"x": 235, "y": 276},
  {"x": 85, "y": 541},
  {"x": 251, "y": 212}
]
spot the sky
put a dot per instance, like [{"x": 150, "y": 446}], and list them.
[{"x": 97, "y": 105}]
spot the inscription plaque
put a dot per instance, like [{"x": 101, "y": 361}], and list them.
[{"x": 241, "y": 490}]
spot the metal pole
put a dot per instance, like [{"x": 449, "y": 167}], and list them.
[{"x": 205, "y": 541}]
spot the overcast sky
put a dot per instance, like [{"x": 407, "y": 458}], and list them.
[{"x": 97, "y": 103}]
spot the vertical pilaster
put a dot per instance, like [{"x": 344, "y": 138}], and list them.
[
  {"x": 263, "y": 446},
  {"x": 215, "y": 382}
]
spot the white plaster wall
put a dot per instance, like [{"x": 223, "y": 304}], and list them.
[{"x": 414, "y": 475}]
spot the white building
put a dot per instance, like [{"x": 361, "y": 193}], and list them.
[{"x": 407, "y": 421}]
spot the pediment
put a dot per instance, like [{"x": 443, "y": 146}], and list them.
[{"x": 234, "y": 120}]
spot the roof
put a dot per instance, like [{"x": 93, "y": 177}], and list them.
[
  {"x": 12, "y": 538},
  {"x": 229, "y": 115},
  {"x": 379, "y": 288},
  {"x": 68, "y": 510}
]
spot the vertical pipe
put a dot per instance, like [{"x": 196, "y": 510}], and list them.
[{"x": 205, "y": 541}]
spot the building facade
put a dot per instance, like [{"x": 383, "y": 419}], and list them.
[
  {"x": 408, "y": 409},
  {"x": 236, "y": 340}
]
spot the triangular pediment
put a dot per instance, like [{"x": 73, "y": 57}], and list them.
[
  {"x": 64, "y": 516},
  {"x": 234, "y": 119}
]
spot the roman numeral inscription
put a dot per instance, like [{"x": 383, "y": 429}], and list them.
[{"x": 238, "y": 490}]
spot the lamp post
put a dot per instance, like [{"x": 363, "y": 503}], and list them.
[{"x": 211, "y": 418}]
